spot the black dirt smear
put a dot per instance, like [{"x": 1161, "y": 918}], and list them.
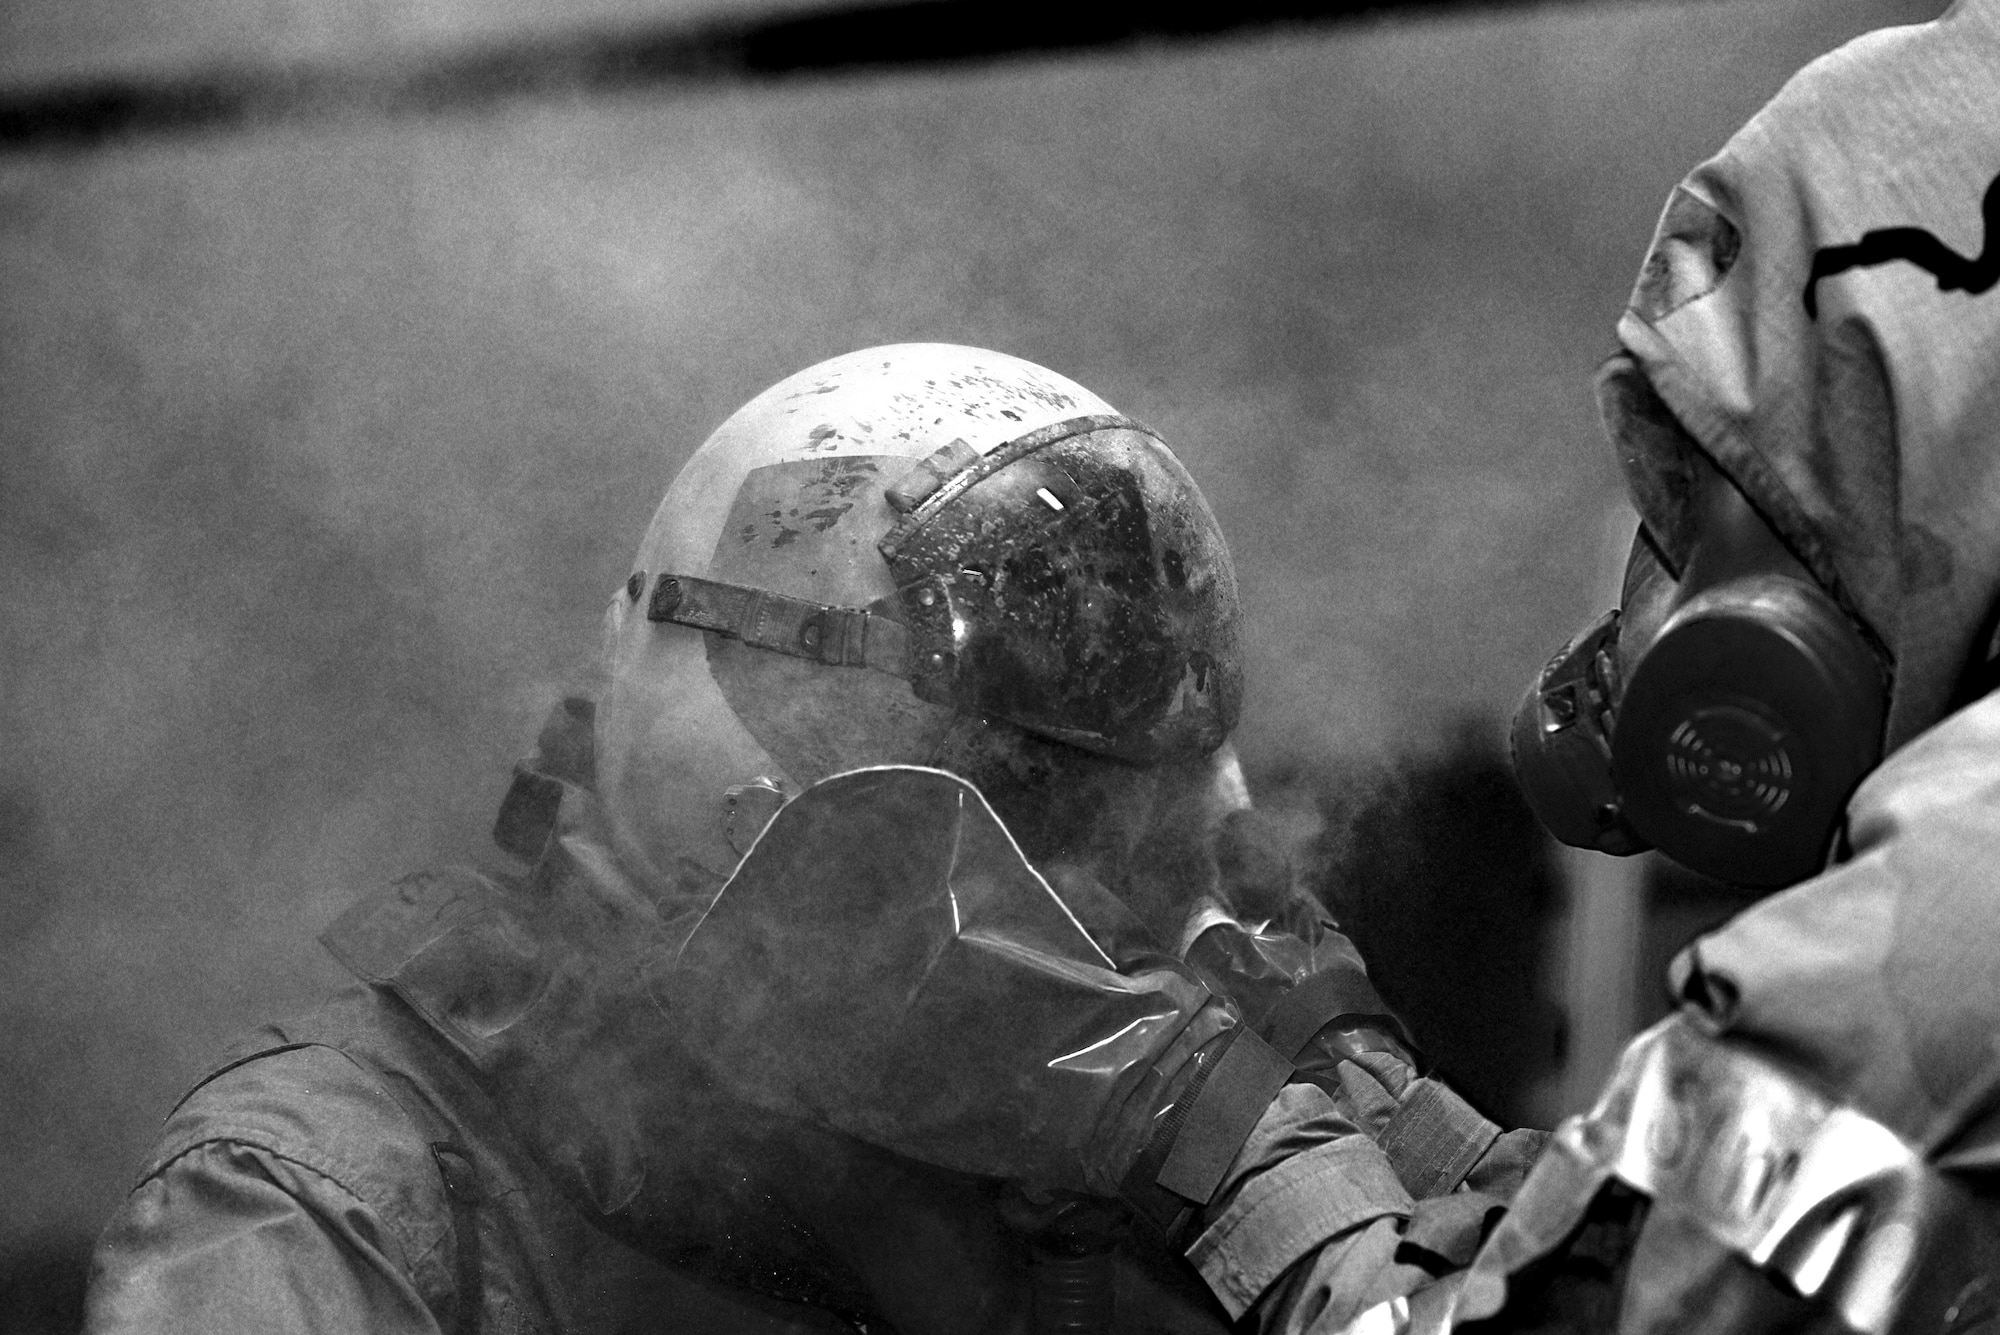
[
  {"x": 838, "y": 478},
  {"x": 1042, "y": 394},
  {"x": 785, "y": 535}
]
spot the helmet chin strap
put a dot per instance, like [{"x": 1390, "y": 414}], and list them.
[{"x": 871, "y": 636}]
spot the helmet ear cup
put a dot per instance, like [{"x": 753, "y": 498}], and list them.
[{"x": 1745, "y": 727}]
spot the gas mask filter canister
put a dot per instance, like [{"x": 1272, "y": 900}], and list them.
[{"x": 1733, "y": 745}]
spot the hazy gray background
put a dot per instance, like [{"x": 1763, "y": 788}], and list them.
[{"x": 322, "y": 445}]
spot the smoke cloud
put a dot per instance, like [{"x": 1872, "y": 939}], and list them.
[{"x": 324, "y": 446}]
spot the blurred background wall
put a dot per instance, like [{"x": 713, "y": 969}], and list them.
[{"x": 325, "y": 439}]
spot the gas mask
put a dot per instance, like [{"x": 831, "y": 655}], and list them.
[{"x": 1723, "y": 714}]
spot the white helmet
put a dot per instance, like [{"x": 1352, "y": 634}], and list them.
[{"x": 920, "y": 554}]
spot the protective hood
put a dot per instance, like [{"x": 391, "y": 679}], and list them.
[
  {"x": 1819, "y": 311},
  {"x": 667, "y": 1059},
  {"x": 853, "y": 970}
]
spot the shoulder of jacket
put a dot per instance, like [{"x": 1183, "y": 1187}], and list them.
[
  {"x": 316, "y": 1106},
  {"x": 325, "y": 1129}
]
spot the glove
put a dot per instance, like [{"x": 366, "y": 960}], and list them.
[{"x": 1307, "y": 993}]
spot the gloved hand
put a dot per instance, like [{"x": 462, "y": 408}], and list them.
[{"x": 1307, "y": 993}]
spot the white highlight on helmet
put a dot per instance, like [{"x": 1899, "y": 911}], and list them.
[{"x": 1049, "y": 497}]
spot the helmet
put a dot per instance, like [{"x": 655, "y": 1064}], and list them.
[{"x": 921, "y": 554}]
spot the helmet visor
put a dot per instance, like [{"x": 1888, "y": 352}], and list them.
[{"x": 1074, "y": 583}]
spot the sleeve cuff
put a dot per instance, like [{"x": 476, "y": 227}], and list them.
[{"x": 1286, "y": 1212}]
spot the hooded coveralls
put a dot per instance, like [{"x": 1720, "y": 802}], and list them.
[
  {"x": 503, "y": 1128},
  {"x": 1819, "y": 313}
]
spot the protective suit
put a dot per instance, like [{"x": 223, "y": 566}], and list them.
[
  {"x": 1810, "y": 1142},
  {"x": 893, "y": 947}
]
